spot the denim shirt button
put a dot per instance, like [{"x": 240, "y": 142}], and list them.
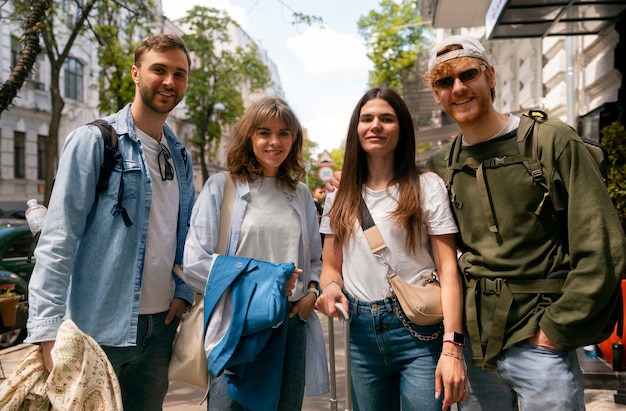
[{"x": 238, "y": 265}]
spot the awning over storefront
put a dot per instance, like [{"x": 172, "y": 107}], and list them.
[
  {"x": 539, "y": 18},
  {"x": 505, "y": 19}
]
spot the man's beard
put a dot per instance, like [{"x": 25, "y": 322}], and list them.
[{"x": 148, "y": 99}]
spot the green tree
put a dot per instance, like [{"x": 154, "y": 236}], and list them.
[
  {"x": 78, "y": 18},
  {"x": 337, "y": 155},
  {"x": 116, "y": 55},
  {"x": 219, "y": 76},
  {"x": 311, "y": 174},
  {"x": 614, "y": 141},
  {"x": 393, "y": 36},
  {"x": 28, "y": 55}
]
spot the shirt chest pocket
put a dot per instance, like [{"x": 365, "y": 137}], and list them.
[{"x": 124, "y": 181}]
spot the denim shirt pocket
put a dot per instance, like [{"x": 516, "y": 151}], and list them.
[{"x": 130, "y": 175}]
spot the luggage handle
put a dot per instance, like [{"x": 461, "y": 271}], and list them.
[
  {"x": 345, "y": 318},
  {"x": 342, "y": 311}
]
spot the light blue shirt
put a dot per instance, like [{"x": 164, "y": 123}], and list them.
[
  {"x": 89, "y": 263},
  {"x": 202, "y": 240}
]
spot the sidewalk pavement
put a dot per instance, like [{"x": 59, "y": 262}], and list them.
[{"x": 184, "y": 397}]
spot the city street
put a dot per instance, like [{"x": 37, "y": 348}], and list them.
[{"x": 184, "y": 397}]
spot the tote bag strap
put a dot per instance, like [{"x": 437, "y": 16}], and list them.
[{"x": 226, "y": 214}]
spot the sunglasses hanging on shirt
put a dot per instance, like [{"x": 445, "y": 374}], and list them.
[{"x": 165, "y": 167}]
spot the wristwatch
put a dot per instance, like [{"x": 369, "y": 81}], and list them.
[
  {"x": 315, "y": 291},
  {"x": 454, "y": 338}
]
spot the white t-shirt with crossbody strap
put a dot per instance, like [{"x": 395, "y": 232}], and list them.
[{"x": 365, "y": 275}]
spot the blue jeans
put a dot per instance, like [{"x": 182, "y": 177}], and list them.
[
  {"x": 526, "y": 378},
  {"x": 391, "y": 369},
  {"x": 292, "y": 384},
  {"x": 142, "y": 369}
]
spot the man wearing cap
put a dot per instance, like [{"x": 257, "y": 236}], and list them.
[{"x": 541, "y": 271}]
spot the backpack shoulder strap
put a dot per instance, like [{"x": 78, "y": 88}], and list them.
[
  {"x": 110, "y": 151},
  {"x": 452, "y": 166},
  {"x": 110, "y": 158},
  {"x": 528, "y": 141}
]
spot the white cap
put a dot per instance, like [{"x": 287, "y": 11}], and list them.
[
  {"x": 470, "y": 47},
  {"x": 32, "y": 202}
]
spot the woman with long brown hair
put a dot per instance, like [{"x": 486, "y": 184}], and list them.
[{"x": 395, "y": 363}]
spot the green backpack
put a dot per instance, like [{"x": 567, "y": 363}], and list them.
[
  {"x": 528, "y": 148},
  {"x": 528, "y": 127}
]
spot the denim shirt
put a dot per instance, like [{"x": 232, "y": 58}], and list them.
[{"x": 89, "y": 263}]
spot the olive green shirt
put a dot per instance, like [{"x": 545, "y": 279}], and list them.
[{"x": 586, "y": 238}]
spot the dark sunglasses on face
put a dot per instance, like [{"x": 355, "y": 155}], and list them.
[
  {"x": 165, "y": 168},
  {"x": 465, "y": 76}
]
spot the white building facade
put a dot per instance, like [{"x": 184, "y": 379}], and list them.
[{"x": 24, "y": 126}]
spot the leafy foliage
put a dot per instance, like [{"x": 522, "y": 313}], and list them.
[
  {"x": 300, "y": 18},
  {"x": 614, "y": 141},
  {"x": 117, "y": 42},
  {"x": 79, "y": 19},
  {"x": 393, "y": 36},
  {"x": 219, "y": 76}
]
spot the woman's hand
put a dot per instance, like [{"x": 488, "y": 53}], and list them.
[
  {"x": 450, "y": 376},
  {"x": 291, "y": 283},
  {"x": 331, "y": 294},
  {"x": 304, "y": 306},
  {"x": 334, "y": 181}
]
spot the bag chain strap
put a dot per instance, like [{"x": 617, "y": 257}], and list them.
[{"x": 398, "y": 308}]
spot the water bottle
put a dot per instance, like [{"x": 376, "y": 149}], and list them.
[{"x": 35, "y": 215}]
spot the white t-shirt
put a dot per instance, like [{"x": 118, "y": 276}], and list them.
[
  {"x": 365, "y": 275},
  {"x": 157, "y": 286},
  {"x": 270, "y": 230}
]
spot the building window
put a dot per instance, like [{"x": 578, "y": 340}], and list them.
[
  {"x": 15, "y": 51},
  {"x": 41, "y": 157},
  {"x": 73, "y": 70},
  {"x": 19, "y": 154}
]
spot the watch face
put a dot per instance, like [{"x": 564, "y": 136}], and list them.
[{"x": 456, "y": 338}]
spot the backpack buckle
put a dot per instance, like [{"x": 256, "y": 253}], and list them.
[{"x": 490, "y": 286}]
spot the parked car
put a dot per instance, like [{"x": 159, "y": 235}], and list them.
[
  {"x": 10, "y": 214},
  {"x": 16, "y": 243}
]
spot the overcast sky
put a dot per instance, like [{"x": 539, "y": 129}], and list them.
[{"x": 323, "y": 71}]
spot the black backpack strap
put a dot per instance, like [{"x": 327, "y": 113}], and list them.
[
  {"x": 110, "y": 158},
  {"x": 110, "y": 153}
]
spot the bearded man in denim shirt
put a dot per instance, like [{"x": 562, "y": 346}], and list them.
[{"x": 107, "y": 264}]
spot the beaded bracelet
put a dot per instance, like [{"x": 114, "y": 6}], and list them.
[
  {"x": 451, "y": 354},
  {"x": 457, "y": 344}
]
